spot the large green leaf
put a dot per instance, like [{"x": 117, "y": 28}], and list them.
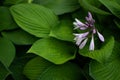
[
  {"x": 59, "y": 6},
  {"x": 4, "y": 72},
  {"x": 34, "y": 18},
  {"x": 101, "y": 55},
  {"x": 113, "y": 6},
  {"x": 6, "y": 21},
  {"x": 7, "y": 51},
  {"x": 109, "y": 70},
  {"x": 20, "y": 37},
  {"x": 64, "y": 31},
  {"x": 53, "y": 50},
  {"x": 93, "y": 6},
  {"x": 40, "y": 69}
]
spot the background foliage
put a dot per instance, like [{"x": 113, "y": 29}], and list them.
[{"x": 36, "y": 40}]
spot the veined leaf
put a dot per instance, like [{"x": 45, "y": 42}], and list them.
[
  {"x": 87, "y": 5},
  {"x": 113, "y": 6},
  {"x": 59, "y": 6},
  {"x": 53, "y": 50},
  {"x": 6, "y": 20},
  {"x": 7, "y": 51},
  {"x": 109, "y": 70},
  {"x": 64, "y": 31},
  {"x": 20, "y": 37},
  {"x": 40, "y": 69},
  {"x": 103, "y": 54},
  {"x": 35, "y": 19}
]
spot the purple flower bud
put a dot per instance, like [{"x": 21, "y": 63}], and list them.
[
  {"x": 79, "y": 24},
  {"x": 100, "y": 36},
  {"x": 92, "y": 45},
  {"x": 80, "y": 37},
  {"x": 83, "y": 43},
  {"x": 89, "y": 19}
]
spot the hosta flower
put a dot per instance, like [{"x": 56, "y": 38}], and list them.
[{"x": 82, "y": 38}]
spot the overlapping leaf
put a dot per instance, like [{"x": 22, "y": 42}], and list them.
[
  {"x": 20, "y": 37},
  {"x": 102, "y": 55},
  {"x": 53, "y": 50},
  {"x": 64, "y": 31},
  {"x": 40, "y": 69},
  {"x": 7, "y": 51},
  {"x": 34, "y": 18},
  {"x": 93, "y": 6},
  {"x": 59, "y": 6},
  {"x": 6, "y": 20},
  {"x": 113, "y": 6},
  {"x": 109, "y": 70}
]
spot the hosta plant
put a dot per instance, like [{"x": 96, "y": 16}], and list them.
[{"x": 59, "y": 40}]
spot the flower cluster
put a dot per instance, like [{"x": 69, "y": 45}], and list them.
[{"x": 82, "y": 38}]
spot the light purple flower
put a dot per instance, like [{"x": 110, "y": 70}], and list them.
[
  {"x": 100, "y": 36},
  {"x": 92, "y": 45},
  {"x": 80, "y": 25},
  {"x": 82, "y": 38},
  {"x": 90, "y": 20},
  {"x": 83, "y": 43}
]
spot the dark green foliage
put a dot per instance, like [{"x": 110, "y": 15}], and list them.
[{"x": 37, "y": 41}]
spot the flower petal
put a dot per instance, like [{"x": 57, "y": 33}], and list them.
[
  {"x": 79, "y": 40},
  {"x": 90, "y": 16},
  {"x": 79, "y": 22},
  {"x": 85, "y": 34},
  {"x": 90, "y": 19},
  {"x": 83, "y": 43},
  {"x": 94, "y": 31},
  {"x": 76, "y": 25},
  {"x": 92, "y": 45},
  {"x": 100, "y": 36}
]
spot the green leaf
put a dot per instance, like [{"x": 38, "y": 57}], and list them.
[
  {"x": 113, "y": 6},
  {"x": 40, "y": 69},
  {"x": 35, "y": 19},
  {"x": 64, "y": 31},
  {"x": 4, "y": 72},
  {"x": 53, "y": 50},
  {"x": 6, "y": 21},
  {"x": 101, "y": 55},
  {"x": 35, "y": 67},
  {"x": 17, "y": 67},
  {"x": 59, "y": 6},
  {"x": 109, "y": 70},
  {"x": 11, "y": 2},
  {"x": 20, "y": 37},
  {"x": 90, "y": 5},
  {"x": 7, "y": 51}
]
